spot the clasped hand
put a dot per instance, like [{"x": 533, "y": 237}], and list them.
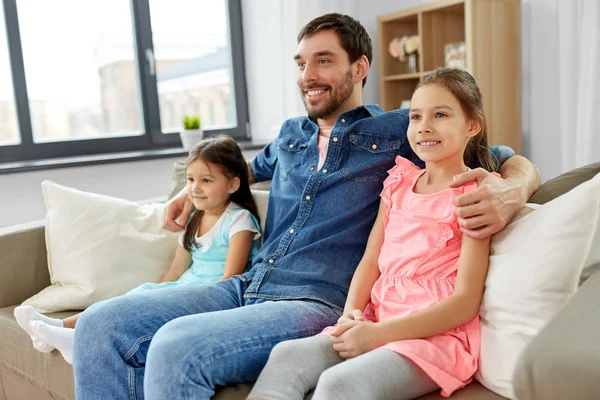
[{"x": 353, "y": 336}]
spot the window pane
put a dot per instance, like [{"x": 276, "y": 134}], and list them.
[
  {"x": 9, "y": 127},
  {"x": 193, "y": 62},
  {"x": 80, "y": 68}
]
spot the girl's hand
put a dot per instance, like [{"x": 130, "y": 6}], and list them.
[
  {"x": 357, "y": 337},
  {"x": 354, "y": 315}
]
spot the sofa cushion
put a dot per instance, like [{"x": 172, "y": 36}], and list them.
[
  {"x": 536, "y": 265},
  {"x": 99, "y": 247},
  {"x": 563, "y": 360}
]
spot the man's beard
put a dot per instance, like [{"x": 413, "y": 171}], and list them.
[{"x": 338, "y": 97}]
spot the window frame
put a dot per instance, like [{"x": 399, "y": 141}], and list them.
[{"x": 152, "y": 139}]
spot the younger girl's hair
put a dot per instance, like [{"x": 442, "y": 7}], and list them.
[
  {"x": 464, "y": 88},
  {"x": 224, "y": 153}
]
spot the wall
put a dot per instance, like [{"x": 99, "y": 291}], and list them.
[{"x": 21, "y": 197}]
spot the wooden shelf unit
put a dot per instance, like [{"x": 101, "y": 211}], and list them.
[{"x": 491, "y": 30}]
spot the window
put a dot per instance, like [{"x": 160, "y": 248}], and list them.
[
  {"x": 193, "y": 61},
  {"x": 9, "y": 129},
  {"x": 120, "y": 81}
]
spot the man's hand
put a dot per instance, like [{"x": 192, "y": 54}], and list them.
[
  {"x": 354, "y": 338},
  {"x": 354, "y": 315},
  {"x": 487, "y": 209},
  {"x": 178, "y": 212}
]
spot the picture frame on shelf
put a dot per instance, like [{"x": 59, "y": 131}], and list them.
[{"x": 455, "y": 55}]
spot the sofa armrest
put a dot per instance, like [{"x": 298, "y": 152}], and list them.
[
  {"x": 23, "y": 262},
  {"x": 563, "y": 360}
]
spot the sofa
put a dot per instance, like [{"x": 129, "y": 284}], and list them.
[{"x": 562, "y": 362}]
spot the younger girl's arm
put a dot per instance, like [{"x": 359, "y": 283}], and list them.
[
  {"x": 238, "y": 253},
  {"x": 455, "y": 310},
  {"x": 367, "y": 271},
  {"x": 181, "y": 262}
]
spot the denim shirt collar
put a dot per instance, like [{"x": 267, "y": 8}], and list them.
[{"x": 350, "y": 116}]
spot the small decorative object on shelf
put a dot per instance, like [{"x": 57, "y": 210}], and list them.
[
  {"x": 192, "y": 131},
  {"x": 456, "y": 55},
  {"x": 406, "y": 48}
]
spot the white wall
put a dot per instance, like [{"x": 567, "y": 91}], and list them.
[
  {"x": 540, "y": 77},
  {"x": 21, "y": 198}
]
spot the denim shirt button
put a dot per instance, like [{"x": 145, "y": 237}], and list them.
[
  {"x": 343, "y": 120},
  {"x": 292, "y": 231},
  {"x": 374, "y": 147},
  {"x": 291, "y": 146},
  {"x": 324, "y": 171},
  {"x": 311, "y": 169},
  {"x": 271, "y": 261},
  {"x": 307, "y": 197},
  {"x": 335, "y": 139}
]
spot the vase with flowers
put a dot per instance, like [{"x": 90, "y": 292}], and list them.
[{"x": 406, "y": 48}]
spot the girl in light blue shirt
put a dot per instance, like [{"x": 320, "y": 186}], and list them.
[{"x": 219, "y": 240}]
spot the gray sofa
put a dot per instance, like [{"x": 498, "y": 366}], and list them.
[{"x": 562, "y": 362}]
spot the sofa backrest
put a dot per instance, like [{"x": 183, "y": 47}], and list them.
[
  {"x": 261, "y": 197},
  {"x": 563, "y": 183}
]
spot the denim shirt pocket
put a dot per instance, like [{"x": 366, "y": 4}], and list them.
[
  {"x": 370, "y": 156},
  {"x": 290, "y": 154}
]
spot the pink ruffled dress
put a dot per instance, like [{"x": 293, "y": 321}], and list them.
[{"x": 418, "y": 263}]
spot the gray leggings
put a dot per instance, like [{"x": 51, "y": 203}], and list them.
[{"x": 297, "y": 366}]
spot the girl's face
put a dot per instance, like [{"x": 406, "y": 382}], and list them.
[
  {"x": 208, "y": 187},
  {"x": 438, "y": 128}
]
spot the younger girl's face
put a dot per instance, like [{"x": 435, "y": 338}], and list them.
[
  {"x": 438, "y": 128},
  {"x": 208, "y": 187}
]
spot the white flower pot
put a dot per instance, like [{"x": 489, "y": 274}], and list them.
[{"x": 189, "y": 137}]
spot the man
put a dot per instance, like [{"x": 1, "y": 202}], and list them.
[{"x": 327, "y": 171}]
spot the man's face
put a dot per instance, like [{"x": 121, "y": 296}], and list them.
[{"x": 325, "y": 75}]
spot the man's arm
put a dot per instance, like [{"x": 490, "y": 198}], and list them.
[
  {"x": 523, "y": 174},
  {"x": 262, "y": 166},
  {"x": 487, "y": 209}
]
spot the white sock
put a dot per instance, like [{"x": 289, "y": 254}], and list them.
[
  {"x": 26, "y": 314},
  {"x": 60, "y": 338}
]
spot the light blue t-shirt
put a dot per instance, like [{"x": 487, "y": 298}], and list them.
[{"x": 210, "y": 250}]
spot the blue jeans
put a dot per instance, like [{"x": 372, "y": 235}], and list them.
[{"x": 181, "y": 342}]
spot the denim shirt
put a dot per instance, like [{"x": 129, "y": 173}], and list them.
[{"x": 318, "y": 221}]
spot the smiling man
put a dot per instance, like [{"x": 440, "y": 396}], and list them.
[{"x": 327, "y": 170}]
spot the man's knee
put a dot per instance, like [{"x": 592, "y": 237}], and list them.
[
  {"x": 173, "y": 346},
  {"x": 173, "y": 359},
  {"x": 92, "y": 321}
]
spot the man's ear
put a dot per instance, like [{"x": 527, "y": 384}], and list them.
[
  {"x": 234, "y": 185},
  {"x": 361, "y": 69}
]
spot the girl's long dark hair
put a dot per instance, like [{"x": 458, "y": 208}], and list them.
[
  {"x": 464, "y": 88},
  {"x": 226, "y": 154}
]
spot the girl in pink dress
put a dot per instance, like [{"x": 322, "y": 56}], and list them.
[{"x": 410, "y": 323}]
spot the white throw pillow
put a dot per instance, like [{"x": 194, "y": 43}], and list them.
[
  {"x": 99, "y": 247},
  {"x": 536, "y": 263}
]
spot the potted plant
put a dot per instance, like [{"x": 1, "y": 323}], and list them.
[{"x": 192, "y": 131}]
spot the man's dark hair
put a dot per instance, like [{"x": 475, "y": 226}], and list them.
[{"x": 353, "y": 37}]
